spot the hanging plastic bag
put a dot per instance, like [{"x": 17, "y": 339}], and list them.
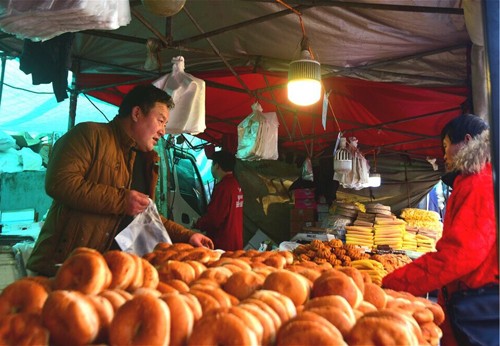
[
  {"x": 258, "y": 135},
  {"x": 144, "y": 232},
  {"x": 307, "y": 170},
  {"x": 188, "y": 93}
]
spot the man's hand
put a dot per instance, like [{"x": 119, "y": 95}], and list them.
[
  {"x": 199, "y": 240},
  {"x": 135, "y": 202}
]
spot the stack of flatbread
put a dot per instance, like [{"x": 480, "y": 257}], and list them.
[
  {"x": 409, "y": 240},
  {"x": 364, "y": 219},
  {"x": 426, "y": 225},
  {"x": 359, "y": 235},
  {"x": 389, "y": 231}
]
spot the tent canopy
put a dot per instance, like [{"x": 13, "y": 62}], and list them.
[{"x": 396, "y": 70}]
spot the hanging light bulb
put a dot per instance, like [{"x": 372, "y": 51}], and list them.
[
  {"x": 304, "y": 78},
  {"x": 342, "y": 162}
]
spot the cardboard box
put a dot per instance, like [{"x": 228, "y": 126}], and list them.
[
  {"x": 303, "y": 194},
  {"x": 303, "y": 215}
]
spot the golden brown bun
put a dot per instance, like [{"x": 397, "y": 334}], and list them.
[
  {"x": 23, "y": 296},
  {"x": 291, "y": 284},
  {"x": 74, "y": 311},
  {"x": 335, "y": 282},
  {"x": 221, "y": 328},
  {"x": 243, "y": 284},
  {"x": 375, "y": 295},
  {"x": 143, "y": 320}
]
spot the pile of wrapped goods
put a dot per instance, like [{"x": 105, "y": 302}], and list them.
[
  {"x": 425, "y": 226},
  {"x": 180, "y": 295}
]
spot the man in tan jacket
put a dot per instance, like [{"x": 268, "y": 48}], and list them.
[{"x": 100, "y": 175}]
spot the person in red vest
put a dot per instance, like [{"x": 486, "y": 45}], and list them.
[{"x": 223, "y": 221}]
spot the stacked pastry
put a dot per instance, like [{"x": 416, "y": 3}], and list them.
[
  {"x": 426, "y": 225},
  {"x": 389, "y": 232},
  {"x": 359, "y": 235}
]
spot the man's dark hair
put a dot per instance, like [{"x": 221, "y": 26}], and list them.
[
  {"x": 145, "y": 96},
  {"x": 224, "y": 159},
  {"x": 464, "y": 124}
]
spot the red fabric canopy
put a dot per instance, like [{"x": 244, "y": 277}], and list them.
[{"x": 382, "y": 116}]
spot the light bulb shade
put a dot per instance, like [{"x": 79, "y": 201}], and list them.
[
  {"x": 304, "y": 82},
  {"x": 374, "y": 180}
]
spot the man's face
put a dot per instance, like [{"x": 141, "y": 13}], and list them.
[{"x": 149, "y": 128}]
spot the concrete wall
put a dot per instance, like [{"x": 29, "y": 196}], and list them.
[{"x": 24, "y": 190}]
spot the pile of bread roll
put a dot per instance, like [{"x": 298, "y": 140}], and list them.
[{"x": 180, "y": 295}]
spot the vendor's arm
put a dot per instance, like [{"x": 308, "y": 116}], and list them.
[
  {"x": 66, "y": 178},
  {"x": 180, "y": 234},
  {"x": 468, "y": 239}
]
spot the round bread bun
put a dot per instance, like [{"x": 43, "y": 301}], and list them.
[
  {"x": 147, "y": 290},
  {"x": 122, "y": 267},
  {"x": 232, "y": 261},
  {"x": 333, "y": 301},
  {"x": 221, "y": 328},
  {"x": 375, "y": 295},
  {"x": 276, "y": 261},
  {"x": 366, "y": 307},
  {"x": 284, "y": 306},
  {"x": 194, "y": 304},
  {"x": 249, "y": 320},
  {"x": 138, "y": 278},
  {"x": 182, "y": 246},
  {"x": 164, "y": 288},
  {"x": 143, "y": 320},
  {"x": 267, "y": 309},
  {"x": 243, "y": 284},
  {"x": 342, "y": 321},
  {"x": 268, "y": 328},
  {"x": 385, "y": 327},
  {"x": 23, "y": 329},
  {"x": 116, "y": 299},
  {"x": 200, "y": 254},
  {"x": 219, "y": 274},
  {"x": 291, "y": 284},
  {"x": 307, "y": 332},
  {"x": 179, "y": 285},
  {"x": 105, "y": 312},
  {"x": 320, "y": 320},
  {"x": 23, "y": 296},
  {"x": 86, "y": 271},
  {"x": 162, "y": 246},
  {"x": 182, "y": 321},
  {"x": 150, "y": 275},
  {"x": 334, "y": 282},
  {"x": 207, "y": 301},
  {"x": 197, "y": 266},
  {"x": 356, "y": 275},
  {"x": 46, "y": 282},
  {"x": 204, "y": 282},
  {"x": 218, "y": 293},
  {"x": 435, "y": 308},
  {"x": 431, "y": 333},
  {"x": 173, "y": 269},
  {"x": 70, "y": 317}
]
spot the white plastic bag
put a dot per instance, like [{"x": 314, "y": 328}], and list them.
[
  {"x": 144, "y": 232},
  {"x": 258, "y": 135},
  {"x": 188, "y": 93}
]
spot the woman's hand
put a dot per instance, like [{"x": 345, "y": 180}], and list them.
[{"x": 200, "y": 240}]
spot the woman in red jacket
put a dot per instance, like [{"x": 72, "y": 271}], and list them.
[
  {"x": 223, "y": 221},
  {"x": 467, "y": 253}
]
